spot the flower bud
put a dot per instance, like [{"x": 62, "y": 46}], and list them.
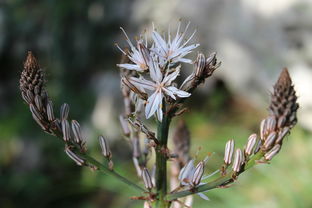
[
  {"x": 198, "y": 174},
  {"x": 269, "y": 141},
  {"x": 269, "y": 155},
  {"x": 66, "y": 130},
  {"x": 199, "y": 65},
  {"x": 104, "y": 147},
  {"x": 228, "y": 153},
  {"x": 77, "y": 131},
  {"x": 238, "y": 160},
  {"x": 251, "y": 144},
  {"x": 74, "y": 157},
  {"x": 147, "y": 179},
  {"x": 64, "y": 111}
]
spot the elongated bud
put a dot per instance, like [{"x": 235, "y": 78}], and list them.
[
  {"x": 30, "y": 95},
  {"x": 198, "y": 174},
  {"x": 145, "y": 53},
  {"x": 228, "y": 153},
  {"x": 74, "y": 157},
  {"x": 270, "y": 124},
  {"x": 269, "y": 140},
  {"x": 281, "y": 135},
  {"x": 263, "y": 129},
  {"x": 124, "y": 125},
  {"x": 64, "y": 111},
  {"x": 77, "y": 131},
  {"x": 251, "y": 144},
  {"x": 238, "y": 160},
  {"x": 38, "y": 117},
  {"x": 147, "y": 179},
  {"x": 50, "y": 112},
  {"x": 257, "y": 147},
  {"x": 38, "y": 103},
  {"x": 200, "y": 64},
  {"x": 104, "y": 147},
  {"x": 269, "y": 155},
  {"x": 66, "y": 130}
]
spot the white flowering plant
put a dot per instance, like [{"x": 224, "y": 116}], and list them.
[{"x": 150, "y": 90}]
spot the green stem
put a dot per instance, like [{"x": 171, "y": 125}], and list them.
[
  {"x": 161, "y": 162},
  {"x": 222, "y": 180},
  {"x": 91, "y": 161}
]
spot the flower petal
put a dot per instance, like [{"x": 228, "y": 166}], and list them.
[
  {"x": 153, "y": 103},
  {"x": 159, "y": 114},
  {"x": 146, "y": 84},
  {"x": 203, "y": 196},
  {"x": 179, "y": 93},
  {"x": 171, "y": 77},
  {"x": 187, "y": 172},
  {"x": 160, "y": 42},
  {"x": 130, "y": 67},
  {"x": 154, "y": 69},
  {"x": 168, "y": 92}
]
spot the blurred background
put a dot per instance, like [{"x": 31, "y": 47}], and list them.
[{"x": 74, "y": 42}]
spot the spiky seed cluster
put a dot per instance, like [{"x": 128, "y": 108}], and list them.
[
  {"x": 284, "y": 101},
  {"x": 273, "y": 129},
  {"x": 41, "y": 107}
]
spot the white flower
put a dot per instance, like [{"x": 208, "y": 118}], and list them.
[
  {"x": 160, "y": 86},
  {"x": 135, "y": 55},
  {"x": 187, "y": 173},
  {"x": 173, "y": 51}
]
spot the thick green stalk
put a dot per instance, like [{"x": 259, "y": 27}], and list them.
[{"x": 161, "y": 162}]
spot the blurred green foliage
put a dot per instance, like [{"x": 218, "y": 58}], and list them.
[{"x": 74, "y": 41}]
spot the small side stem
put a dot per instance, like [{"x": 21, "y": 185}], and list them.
[
  {"x": 222, "y": 180},
  {"x": 161, "y": 162}
]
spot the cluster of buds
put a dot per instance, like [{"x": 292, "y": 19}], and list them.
[{"x": 273, "y": 129}]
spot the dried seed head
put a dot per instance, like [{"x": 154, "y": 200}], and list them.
[
  {"x": 66, "y": 130},
  {"x": 181, "y": 141},
  {"x": 124, "y": 125},
  {"x": 147, "y": 179},
  {"x": 77, "y": 131},
  {"x": 74, "y": 157},
  {"x": 50, "y": 112},
  {"x": 269, "y": 155},
  {"x": 200, "y": 64},
  {"x": 64, "y": 111},
  {"x": 238, "y": 160},
  {"x": 281, "y": 135},
  {"x": 198, "y": 174},
  {"x": 104, "y": 147},
  {"x": 228, "y": 153},
  {"x": 269, "y": 141},
  {"x": 251, "y": 144}
]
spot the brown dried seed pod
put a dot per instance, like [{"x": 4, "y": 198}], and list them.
[
  {"x": 66, "y": 130},
  {"x": 228, "y": 153},
  {"x": 269, "y": 141},
  {"x": 251, "y": 144},
  {"x": 147, "y": 179},
  {"x": 104, "y": 147},
  {"x": 77, "y": 131},
  {"x": 64, "y": 111},
  {"x": 269, "y": 155},
  {"x": 74, "y": 157},
  {"x": 198, "y": 174}
]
